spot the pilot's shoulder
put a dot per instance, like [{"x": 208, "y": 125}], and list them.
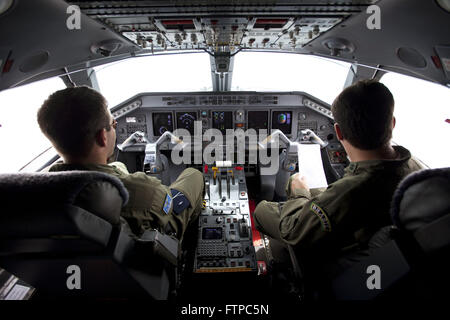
[
  {"x": 120, "y": 166},
  {"x": 415, "y": 164}
]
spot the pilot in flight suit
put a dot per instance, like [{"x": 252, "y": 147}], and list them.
[
  {"x": 78, "y": 123},
  {"x": 353, "y": 208},
  {"x": 147, "y": 197},
  {"x": 350, "y": 209}
]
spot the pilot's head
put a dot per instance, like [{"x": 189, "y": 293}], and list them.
[
  {"x": 364, "y": 115},
  {"x": 79, "y": 125}
]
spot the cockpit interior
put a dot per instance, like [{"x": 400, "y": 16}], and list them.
[{"x": 218, "y": 86}]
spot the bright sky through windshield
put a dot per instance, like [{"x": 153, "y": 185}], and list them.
[
  {"x": 265, "y": 71},
  {"x": 20, "y": 136},
  {"x": 253, "y": 71},
  {"x": 160, "y": 73},
  {"x": 422, "y": 110}
]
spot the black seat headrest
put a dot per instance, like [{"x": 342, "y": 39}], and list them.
[
  {"x": 34, "y": 200},
  {"x": 421, "y": 205}
]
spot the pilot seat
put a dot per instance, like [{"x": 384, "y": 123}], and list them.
[
  {"x": 412, "y": 255},
  {"x": 61, "y": 232}
]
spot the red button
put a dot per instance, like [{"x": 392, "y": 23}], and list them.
[
  {"x": 205, "y": 168},
  {"x": 239, "y": 168}
]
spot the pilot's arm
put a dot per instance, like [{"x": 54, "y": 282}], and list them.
[
  {"x": 305, "y": 218},
  {"x": 154, "y": 205}
]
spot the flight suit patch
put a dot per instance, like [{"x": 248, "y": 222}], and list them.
[
  {"x": 180, "y": 202},
  {"x": 320, "y": 213},
  {"x": 167, "y": 204}
]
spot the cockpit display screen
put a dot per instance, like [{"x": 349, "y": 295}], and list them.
[
  {"x": 282, "y": 120},
  {"x": 162, "y": 122},
  {"x": 258, "y": 120},
  {"x": 222, "y": 120},
  {"x": 185, "y": 120},
  {"x": 212, "y": 233}
]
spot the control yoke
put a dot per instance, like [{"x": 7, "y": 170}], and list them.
[
  {"x": 291, "y": 160},
  {"x": 309, "y": 135},
  {"x": 152, "y": 161},
  {"x": 137, "y": 137},
  {"x": 290, "y": 163}
]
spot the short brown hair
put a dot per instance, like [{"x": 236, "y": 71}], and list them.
[
  {"x": 70, "y": 119},
  {"x": 364, "y": 113}
]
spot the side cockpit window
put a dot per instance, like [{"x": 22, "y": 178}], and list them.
[
  {"x": 422, "y": 113},
  {"x": 21, "y": 140}
]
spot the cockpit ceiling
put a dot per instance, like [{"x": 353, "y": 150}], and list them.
[
  {"x": 412, "y": 37},
  {"x": 221, "y": 26}
]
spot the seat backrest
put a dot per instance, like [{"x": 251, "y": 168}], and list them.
[
  {"x": 60, "y": 204},
  {"x": 421, "y": 206},
  {"x": 412, "y": 254},
  {"x": 52, "y": 221}
]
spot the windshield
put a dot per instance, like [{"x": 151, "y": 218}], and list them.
[
  {"x": 267, "y": 71},
  {"x": 422, "y": 113},
  {"x": 20, "y": 135},
  {"x": 252, "y": 71},
  {"x": 121, "y": 80}
]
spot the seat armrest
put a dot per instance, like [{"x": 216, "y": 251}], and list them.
[{"x": 161, "y": 244}]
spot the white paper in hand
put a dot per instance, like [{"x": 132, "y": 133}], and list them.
[{"x": 310, "y": 165}]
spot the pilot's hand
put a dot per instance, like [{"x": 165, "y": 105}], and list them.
[{"x": 299, "y": 182}]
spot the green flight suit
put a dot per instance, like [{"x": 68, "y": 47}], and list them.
[
  {"x": 350, "y": 210},
  {"x": 147, "y": 196}
]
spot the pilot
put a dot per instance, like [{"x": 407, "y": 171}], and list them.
[
  {"x": 80, "y": 127},
  {"x": 351, "y": 209}
]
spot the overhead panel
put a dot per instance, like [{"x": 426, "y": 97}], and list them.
[{"x": 221, "y": 26}]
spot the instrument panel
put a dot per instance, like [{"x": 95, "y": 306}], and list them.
[
  {"x": 196, "y": 113},
  {"x": 289, "y": 112},
  {"x": 162, "y": 122},
  {"x": 186, "y": 120}
]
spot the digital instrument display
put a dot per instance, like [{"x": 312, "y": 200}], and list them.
[
  {"x": 162, "y": 122},
  {"x": 185, "y": 120},
  {"x": 222, "y": 120},
  {"x": 258, "y": 120},
  {"x": 212, "y": 233},
  {"x": 282, "y": 120}
]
